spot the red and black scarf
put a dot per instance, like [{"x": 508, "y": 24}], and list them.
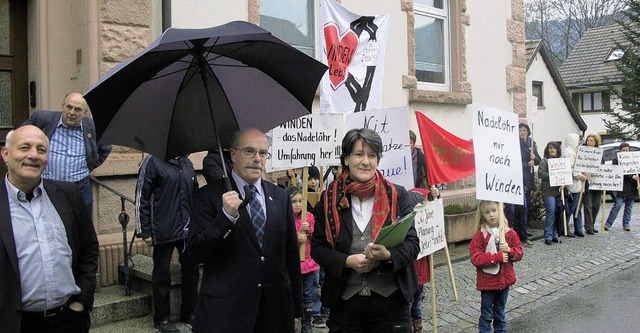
[{"x": 385, "y": 199}]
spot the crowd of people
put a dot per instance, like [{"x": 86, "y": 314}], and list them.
[
  {"x": 272, "y": 260},
  {"x": 566, "y": 206}
]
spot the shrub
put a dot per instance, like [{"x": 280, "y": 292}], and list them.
[{"x": 453, "y": 209}]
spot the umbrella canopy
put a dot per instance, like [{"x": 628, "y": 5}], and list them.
[{"x": 192, "y": 88}]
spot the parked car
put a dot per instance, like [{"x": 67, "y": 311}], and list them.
[{"x": 611, "y": 149}]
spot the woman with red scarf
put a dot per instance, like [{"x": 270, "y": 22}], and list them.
[{"x": 368, "y": 287}]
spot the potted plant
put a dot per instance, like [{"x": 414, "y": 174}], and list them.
[{"x": 459, "y": 222}]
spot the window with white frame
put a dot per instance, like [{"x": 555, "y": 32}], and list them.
[
  {"x": 293, "y": 21},
  {"x": 432, "y": 43},
  {"x": 595, "y": 101}
]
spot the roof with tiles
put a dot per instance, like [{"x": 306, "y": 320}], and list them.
[
  {"x": 531, "y": 47},
  {"x": 587, "y": 63}
]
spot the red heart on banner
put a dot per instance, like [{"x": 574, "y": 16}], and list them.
[{"x": 339, "y": 52}]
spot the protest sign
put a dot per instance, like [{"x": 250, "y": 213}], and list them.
[
  {"x": 429, "y": 223},
  {"x": 310, "y": 140},
  {"x": 560, "y": 171},
  {"x": 588, "y": 159},
  {"x": 608, "y": 178},
  {"x": 499, "y": 167},
  {"x": 353, "y": 47},
  {"x": 630, "y": 160},
  {"x": 391, "y": 124}
]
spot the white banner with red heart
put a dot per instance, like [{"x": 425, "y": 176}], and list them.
[{"x": 354, "y": 47}]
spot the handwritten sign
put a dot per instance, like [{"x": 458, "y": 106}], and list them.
[
  {"x": 588, "y": 159},
  {"x": 392, "y": 126},
  {"x": 310, "y": 140},
  {"x": 560, "y": 171},
  {"x": 429, "y": 223},
  {"x": 498, "y": 167},
  {"x": 630, "y": 160},
  {"x": 608, "y": 178}
]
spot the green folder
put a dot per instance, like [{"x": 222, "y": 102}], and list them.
[{"x": 394, "y": 234}]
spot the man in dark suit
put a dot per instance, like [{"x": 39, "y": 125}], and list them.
[
  {"x": 252, "y": 280},
  {"x": 74, "y": 152},
  {"x": 48, "y": 246}
]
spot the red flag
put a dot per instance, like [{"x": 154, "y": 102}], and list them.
[{"x": 448, "y": 157}]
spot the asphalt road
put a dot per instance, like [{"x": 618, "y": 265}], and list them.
[{"x": 608, "y": 305}]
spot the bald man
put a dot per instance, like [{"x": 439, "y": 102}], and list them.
[
  {"x": 48, "y": 246},
  {"x": 73, "y": 151}
]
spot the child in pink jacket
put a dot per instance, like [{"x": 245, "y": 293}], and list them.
[{"x": 310, "y": 269}]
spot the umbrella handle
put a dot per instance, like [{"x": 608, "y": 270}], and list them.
[{"x": 247, "y": 197}]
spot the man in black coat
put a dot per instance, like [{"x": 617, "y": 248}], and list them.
[
  {"x": 252, "y": 280},
  {"x": 163, "y": 204},
  {"x": 48, "y": 246}
]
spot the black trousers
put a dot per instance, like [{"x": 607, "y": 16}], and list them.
[
  {"x": 371, "y": 314},
  {"x": 66, "y": 321},
  {"x": 161, "y": 281}
]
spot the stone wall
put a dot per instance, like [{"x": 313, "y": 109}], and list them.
[{"x": 516, "y": 72}]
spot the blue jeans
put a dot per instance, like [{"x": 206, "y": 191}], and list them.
[
  {"x": 84, "y": 186},
  {"x": 626, "y": 217},
  {"x": 311, "y": 291},
  {"x": 550, "y": 204},
  {"x": 571, "y": 208},
  {"x": 492, "y": 306}
]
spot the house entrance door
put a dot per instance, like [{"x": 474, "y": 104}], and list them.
[{"x": 14, "y": 104}]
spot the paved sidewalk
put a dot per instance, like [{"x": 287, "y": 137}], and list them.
[{"x": 546, "y": 273}]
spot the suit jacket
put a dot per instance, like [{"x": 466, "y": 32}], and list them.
[
  {"x": 82, "y": 240},
  {"x": 238, "y": 274},
  {"x": 47, "y": 121},
  {"x": 333, "y": 260}
]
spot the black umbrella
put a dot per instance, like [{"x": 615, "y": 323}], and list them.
[{"x": 192, "y": 88}]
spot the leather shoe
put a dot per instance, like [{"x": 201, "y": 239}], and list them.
[
  {"x": 579, "y": 233},
  {"x": 166, "y": 326},
  {"x": 595, "y": 231},
  {"x": 590, "y": 232},
  {"x": 547, "y": 241}
]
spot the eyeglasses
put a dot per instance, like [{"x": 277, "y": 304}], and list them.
[
  {"x": 74, "y": 108},
  {"x": 250, "y": 152}
]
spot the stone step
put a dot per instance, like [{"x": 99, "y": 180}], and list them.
[
  {"x": 134, "y": 325},
  {"x": 112, "y": 305}
]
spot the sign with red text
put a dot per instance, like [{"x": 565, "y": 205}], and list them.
[
  {"x": 560, "y": 171},
  {"x": 354, "y": 50},
  {"x": 499, "y": 166}
]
